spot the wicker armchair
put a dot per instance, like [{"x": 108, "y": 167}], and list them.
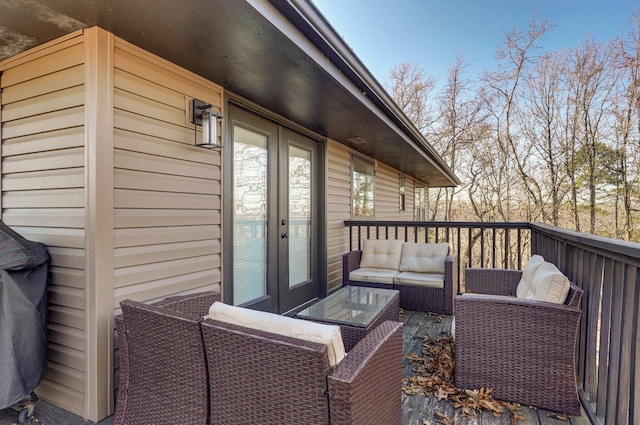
[
  {"x": 264, "y": 378},
  {"x": 522, "y": 349},
  {"x": 163, "y": 370}
]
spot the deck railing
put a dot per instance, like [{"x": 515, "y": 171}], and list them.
[{"x": 606, "y": 269}]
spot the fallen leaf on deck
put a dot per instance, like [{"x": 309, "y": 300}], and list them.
[
  {"x": 442, "y": 394},
  {"x": 444, "y": 420},
  {"x": 562, "y": 417},
  {"x": 433, "y": 375}
]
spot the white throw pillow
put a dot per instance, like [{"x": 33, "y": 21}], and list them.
[
  {"x": 381, "y": 254},
  {"x": 328, "y": 335},
  {"x": 549, "y": 284},
  {"x": 423, "y": 257},
  {"x": 524, "y": 287}
]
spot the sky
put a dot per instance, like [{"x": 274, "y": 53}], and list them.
[{"x": 383, "y": 34}]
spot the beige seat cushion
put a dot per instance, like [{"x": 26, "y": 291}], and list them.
[
  {"x": 328, "y": 335},
  {"x": 431, "y": 280},
  {"x": 381, "y": 254},
  {"x": 546, "y": 284},
  {"x": 524, "y": 286},
  {"x": 364, "y": 274},
  {"x": 423, "y": 257}
]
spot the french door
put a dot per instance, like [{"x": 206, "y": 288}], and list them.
[{"x": 272, "y": 218}]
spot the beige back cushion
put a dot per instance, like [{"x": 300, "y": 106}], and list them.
[
  {"x": 524, "y": 287},
  {"x": 547, "y": 284},
  {"x": 328, "y": 335},
  {"x": 423, "y": 257},
  {"x": 381, "y": 254}
]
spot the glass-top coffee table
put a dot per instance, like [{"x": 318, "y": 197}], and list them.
[{"x": 356, "y": 309}]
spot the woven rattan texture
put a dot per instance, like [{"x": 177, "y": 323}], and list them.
[
  {"x": 264, "y": 378},
  {"x": 268, "y": 379},
  {"x": 365, "y": 387},
  {"x": 522, "y": 349},
  {"x": 163, "y": 371}
]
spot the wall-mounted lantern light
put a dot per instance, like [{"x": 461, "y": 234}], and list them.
[{"x": 205, "y": 116}]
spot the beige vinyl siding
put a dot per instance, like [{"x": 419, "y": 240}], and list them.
[
  {"x": 43, "y": 160},
  {"x": 387, "y": 194},
  {"x": 386, "y": 198},
  {"x": 167, "y": 192},
  {"x": 338, "y": 209}
]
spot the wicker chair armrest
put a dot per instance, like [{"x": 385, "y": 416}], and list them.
[
  {"x": 522, "y": 322},
  {"x": 492, "y": 281},
  {"x": 525, "y": 306},
  {"x": 350, "y": 262},
  {"x": 365, "y": 387},
  {"x": 192, "y": 304}
]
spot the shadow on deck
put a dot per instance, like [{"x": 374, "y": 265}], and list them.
[{"x": 417, "y": 410}]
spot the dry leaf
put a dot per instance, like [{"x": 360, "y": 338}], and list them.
[
  {"x": 434, "y": 376},
  {"x": 562, "y": 417},
  {"x": 442, "y": 419},
  {"x": 442, "y": 394}
]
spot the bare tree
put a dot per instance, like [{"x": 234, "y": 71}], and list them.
[
  {"x": 592, "y": 64},
  {"x": 458, "y": 114},
  {"x": 627, "y": 116},
  {"x": 411, "y": 89},
  {"x": 518, "y": 53},
  {"x": 541, "y": 126}
]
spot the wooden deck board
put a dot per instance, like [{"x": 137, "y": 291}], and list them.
[{"x": 417, "y": 410}]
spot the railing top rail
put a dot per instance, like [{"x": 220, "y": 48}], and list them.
[
  {"x": 449, "y": 224},
  {"x": 590, "y": 242}
]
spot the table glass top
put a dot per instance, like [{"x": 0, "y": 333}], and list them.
[{"x": 353, "y": 305}]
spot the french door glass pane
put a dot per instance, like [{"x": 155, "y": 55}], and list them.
[
  {"x": 299, "y": 215},
  {"x": 249, "y": 215}
]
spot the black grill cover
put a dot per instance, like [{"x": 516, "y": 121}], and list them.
[{"x": 23, "y": 308}]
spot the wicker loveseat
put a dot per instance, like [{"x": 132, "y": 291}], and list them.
[
  {"x": 425, "y": 273},
  {"x": 523, "y": 349},
  {"x": 176, "y": 367}
]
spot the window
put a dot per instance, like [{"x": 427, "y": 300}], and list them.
[
  {"x": 420, "y": 202},
  {"x": 361, "y": 187},
  {"x": 401, "y": 184}
]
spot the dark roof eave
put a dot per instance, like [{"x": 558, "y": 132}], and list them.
[{"x": 315, "y": 27}]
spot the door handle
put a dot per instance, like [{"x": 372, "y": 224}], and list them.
[{"x": 284, "y": 235}]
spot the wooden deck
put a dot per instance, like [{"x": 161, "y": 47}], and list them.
[{"x": 417, "y": 410}]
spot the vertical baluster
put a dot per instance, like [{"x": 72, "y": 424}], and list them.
[
  {"x": 350, "y": 238},
  {"x": 613, "y": 396},
  {"x": 507, "y": 248},
  {"x": 628, "y": 331},
  {"x": 470, "y": 247},
  {"x": 482, "y": 247},
  {"x": 519, "y": 249},
  {"x": 605, "y": 330}
]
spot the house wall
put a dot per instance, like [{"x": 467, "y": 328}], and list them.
[
  {"x": 386, "y": 204},
  {"x": 167, "y": 206},
  {"x": 43, "y": 193},
  {"x": 99, "y": 164}
]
